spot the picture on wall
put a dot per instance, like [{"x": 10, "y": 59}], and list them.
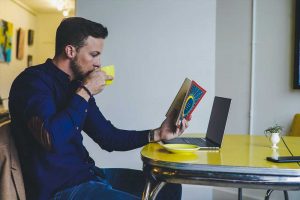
[
  {"x": 20, "y": 43},
  {"x": 29, "y": 60},
  {"x": 30, "y": 37},
  {"x": 296, "y": 82},
  {"x": 6, "y": 33}
]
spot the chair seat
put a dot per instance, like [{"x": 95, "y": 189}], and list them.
[{"x": 295, "y": 127}]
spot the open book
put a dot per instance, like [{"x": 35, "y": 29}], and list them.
[{"x": 186, "y": 100}]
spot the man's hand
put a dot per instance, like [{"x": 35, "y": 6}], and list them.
[
  {"x": 94, "y": 82},
  {"x": 168, "y": 129}
]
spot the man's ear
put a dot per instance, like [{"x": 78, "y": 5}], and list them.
[{"x": 70, "y": 51}]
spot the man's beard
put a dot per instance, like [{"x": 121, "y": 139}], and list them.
[{"x": 76, "y": 69}]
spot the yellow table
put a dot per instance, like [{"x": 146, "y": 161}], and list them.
[
  {"x": 240, "y": 163},
  {"x": 293, "y": 144}
]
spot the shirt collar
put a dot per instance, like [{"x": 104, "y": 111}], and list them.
[{"x": 58, "y": 73}]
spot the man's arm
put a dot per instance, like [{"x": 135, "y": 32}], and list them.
[
  {"x": 107, "y": 136},
  {"x": 49, "y": 126},
  {"x": 111, "y": 138}
]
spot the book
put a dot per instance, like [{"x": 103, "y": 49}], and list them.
[{"x": 186, "y": 100}]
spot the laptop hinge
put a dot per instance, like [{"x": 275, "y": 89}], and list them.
[{"x": 216, "y": 144}]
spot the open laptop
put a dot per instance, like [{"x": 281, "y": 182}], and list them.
[{"x": 215, "y": 129}]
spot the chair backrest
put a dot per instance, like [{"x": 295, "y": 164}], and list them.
[
  {"x": 11, "y": 179},
  {"x": 295, "y": 127}
]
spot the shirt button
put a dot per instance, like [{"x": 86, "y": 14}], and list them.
[
  {"x": 85, "y": 110},
  {"x": 77, "y": 127},
  {"x": 91, "y": 171}
]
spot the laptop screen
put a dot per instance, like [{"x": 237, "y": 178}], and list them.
[{"x": 217, "y": 120}]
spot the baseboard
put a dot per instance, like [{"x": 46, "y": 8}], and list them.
[{"x": 232, "y": 193}]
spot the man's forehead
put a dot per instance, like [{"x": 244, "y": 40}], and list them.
[{"x": 92, "y": 42}]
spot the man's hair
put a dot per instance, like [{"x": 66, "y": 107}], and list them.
[{"x": 75, "y": 30}]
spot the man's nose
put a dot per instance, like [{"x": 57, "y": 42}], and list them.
[
  {"x": 97, "y": 65},
  {"x": 97, "y": 62}
]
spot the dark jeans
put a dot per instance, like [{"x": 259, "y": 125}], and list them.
[{"x": 116, "y": 184}]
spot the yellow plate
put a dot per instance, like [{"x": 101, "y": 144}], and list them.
[{"x": 181, "y": 148}]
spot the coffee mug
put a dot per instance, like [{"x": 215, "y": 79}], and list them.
[{"x": 109, "y": 70}]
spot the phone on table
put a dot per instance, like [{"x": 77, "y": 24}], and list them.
[{"x": 284, "y": 159}]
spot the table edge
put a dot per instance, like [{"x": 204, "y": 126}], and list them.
[{"x": 221, "y": 169}]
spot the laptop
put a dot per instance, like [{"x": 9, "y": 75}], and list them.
[{"x": 215, "y": 129}]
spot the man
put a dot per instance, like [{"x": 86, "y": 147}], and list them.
[{"x": 52, "y": 103}]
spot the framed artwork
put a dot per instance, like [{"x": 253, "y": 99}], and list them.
[
  {"x": 6, "y": 33},
  {"x": 296, "y": 82},
  {"x": 20, "y": 43},
  {"x": 30, "y": 37},
  {"x": 29, "y": 60}
]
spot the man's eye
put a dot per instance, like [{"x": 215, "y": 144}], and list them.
[{"x": 94, "y": 54}]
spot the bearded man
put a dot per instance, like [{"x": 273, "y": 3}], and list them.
[{"x": 52, "y": 104}]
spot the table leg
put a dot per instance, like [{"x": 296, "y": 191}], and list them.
[
  {"x": 240, "y": 194},
  {"x": 286, "y": 196},
  {"x": 151, "y": 189},
  {"x": 268, "y": 194}
]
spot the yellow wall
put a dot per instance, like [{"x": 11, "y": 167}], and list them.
[
  {"x": 20, "y": 18},
  {"x": 46, "y": 29},
  {"x": 44, "y": 26}
]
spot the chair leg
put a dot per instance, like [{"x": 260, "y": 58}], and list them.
[
  {"x": 240, "y": 194},
  {"x": 268, "y": 194}
]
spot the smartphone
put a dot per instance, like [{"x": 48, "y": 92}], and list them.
[{"x": 284, "y": 159}]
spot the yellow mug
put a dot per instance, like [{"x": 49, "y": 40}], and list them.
[{"x": 109, "y": 70}]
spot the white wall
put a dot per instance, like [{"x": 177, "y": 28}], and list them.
[
  {"x": 142, "y": 40},
  {"x": 275, "y": 100},
  {"x": 154, "y": 46},
  {"x": 20, "y": 18},
  {"x": 233, "y": 60}
]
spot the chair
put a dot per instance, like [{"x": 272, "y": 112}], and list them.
[
  {"x": 11, "y": 179},
  {"x": 295, "y": 127}
]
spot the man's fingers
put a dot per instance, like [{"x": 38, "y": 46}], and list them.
[
  {"x": 109, "y": 77},
  {"x": 177, "y": 131},
  {"x": 185, "y": 123}
]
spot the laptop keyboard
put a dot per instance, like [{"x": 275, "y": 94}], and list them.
[
  {"x": 202, "y": 142},
  {"x": 196, "y": 141}
]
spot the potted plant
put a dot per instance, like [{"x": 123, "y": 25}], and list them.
[{"x": 273, "y": 133}]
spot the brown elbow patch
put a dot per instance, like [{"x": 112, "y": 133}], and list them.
[{"x": 36, "y": 126}]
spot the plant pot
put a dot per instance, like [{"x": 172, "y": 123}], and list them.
[{"x": 275, "y": 139}]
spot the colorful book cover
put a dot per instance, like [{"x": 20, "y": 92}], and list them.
[{"x": 186, "y": 100}]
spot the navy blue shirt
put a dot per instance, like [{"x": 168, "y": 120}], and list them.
[{"x": 47, "y": 119}]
